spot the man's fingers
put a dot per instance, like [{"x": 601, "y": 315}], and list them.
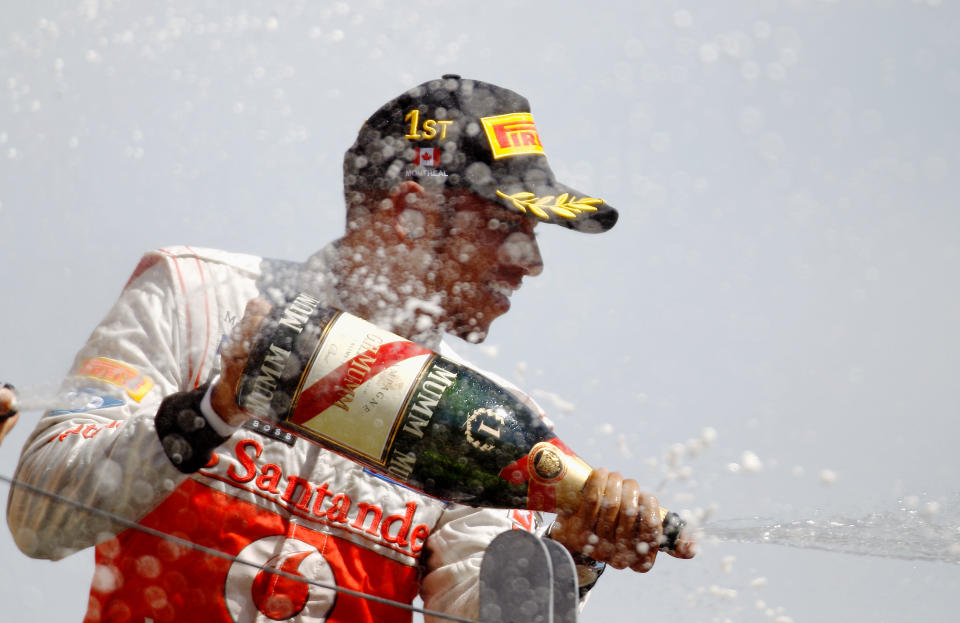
[
  {"x": 253, "y": 315},
  {"x": 576, "y": 527},
  {"x": 649, "y": 532},
  {"x": 610, "y": 507},
  {"x": 592, "y": 495},
  {"x": 257, "y": 307},
  {"x": 625, "y": 553},
  {"x": 686, "y": 547},
  {"x": 629, "y": 509},
  {"x": 236, "y": 350}
]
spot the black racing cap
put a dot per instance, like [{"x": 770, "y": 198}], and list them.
[{"x": 459, "y": 133}]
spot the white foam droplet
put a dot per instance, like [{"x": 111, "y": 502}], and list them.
[{"x": 751, "y": 462}]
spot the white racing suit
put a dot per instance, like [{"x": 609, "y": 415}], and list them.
[{"x": 265, "y": 497}]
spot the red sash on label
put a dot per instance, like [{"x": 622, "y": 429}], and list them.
[{"x": 328, "y": 390}]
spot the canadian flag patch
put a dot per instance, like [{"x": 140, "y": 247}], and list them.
[{"x": 425, "y": 156}]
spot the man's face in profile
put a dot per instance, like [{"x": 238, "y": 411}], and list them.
[{"x": 482, "y": 259}]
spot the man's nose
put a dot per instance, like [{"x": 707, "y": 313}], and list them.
[{"x": 520, "y": 249}]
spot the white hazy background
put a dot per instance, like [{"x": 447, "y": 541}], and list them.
[{"x": 770, "y": 330}]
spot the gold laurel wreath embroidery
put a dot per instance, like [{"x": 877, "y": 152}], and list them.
[{"x": 565, "y": 205}]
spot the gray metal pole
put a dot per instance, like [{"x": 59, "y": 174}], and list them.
[{"x": 526, "y": 579}]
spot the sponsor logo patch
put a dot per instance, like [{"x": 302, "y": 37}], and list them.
[
  {"x": 269, "y": 430},
  {"x": 117, "y": 373},
  {"x": 89, "y": 431},
  {"x": 319, "y": 502},
  {"x": 256, "y": 592},
  {"x": 87, "y": 400},
  {"x": 512, "y": 134}
]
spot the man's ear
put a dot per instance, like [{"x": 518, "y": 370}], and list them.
[{"x": 409, "y": 210}]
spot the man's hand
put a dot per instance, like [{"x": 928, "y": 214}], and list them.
[
  {"x": 233, "y": 359},
  {"x": 616, "y": 523},
  {"x": 8, "y": 400}
]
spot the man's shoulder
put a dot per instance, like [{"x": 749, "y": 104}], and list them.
[
  {"x": 188, "y": 265},
  {"x": 184, "y": 261},
  {"x": 242, "y": 261}
]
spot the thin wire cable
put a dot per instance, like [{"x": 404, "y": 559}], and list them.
[{"x": 213, "y": 552}]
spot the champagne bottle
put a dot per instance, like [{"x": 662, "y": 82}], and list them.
[{"x": 408, "y": 413}]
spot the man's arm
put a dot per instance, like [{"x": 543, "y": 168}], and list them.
[{"x": 100, "y": 448}]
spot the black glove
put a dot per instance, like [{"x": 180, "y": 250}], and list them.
[{"x": 187, "y": 438}]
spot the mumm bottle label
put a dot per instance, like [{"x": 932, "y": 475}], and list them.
[{"x": 353, "y": 392}]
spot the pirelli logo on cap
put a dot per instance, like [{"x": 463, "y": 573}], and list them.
[{"x": 512, "y": 134}]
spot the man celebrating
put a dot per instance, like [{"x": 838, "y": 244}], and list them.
[{"x": 444, "y": 187}]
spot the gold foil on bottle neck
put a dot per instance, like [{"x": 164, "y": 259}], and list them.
[{"x": 565, "y": 474}]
